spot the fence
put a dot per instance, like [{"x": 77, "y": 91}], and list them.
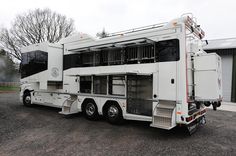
[{"x": 10, "y": 84}]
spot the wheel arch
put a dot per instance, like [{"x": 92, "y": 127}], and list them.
[{"x": 26, "y": 91}]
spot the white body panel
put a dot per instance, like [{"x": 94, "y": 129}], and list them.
[
  {"x": 208, "y": 77},
  {"x": 49, "y": 99},
  {"x": 148, "y": 68},
  {"x": 227, "y": 61},
  {"x": 70, "y": 84}
]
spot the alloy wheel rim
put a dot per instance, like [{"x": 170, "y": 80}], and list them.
[
  {"x": 90, "y": 109},
  {"x": 113, "y": 111},
  {"x": 27, "y": 99}
]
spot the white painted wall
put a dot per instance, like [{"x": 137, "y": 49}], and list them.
[{"x": 227, "y": 61}]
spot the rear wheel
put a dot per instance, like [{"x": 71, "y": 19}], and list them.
[
  {"x": 27, "y": 99},
  {"x": 214, "y": 105},
  {"x": 207, "y": 104},
  {"x": 198, "y": 105},
  {"x": 90, "y": 110},
  {"x": 114, "y": 114}
]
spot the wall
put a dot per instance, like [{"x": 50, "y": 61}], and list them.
[{"x": 228, "y": 57}]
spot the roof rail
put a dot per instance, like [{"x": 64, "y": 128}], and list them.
[{"x": 137, "y": 29}]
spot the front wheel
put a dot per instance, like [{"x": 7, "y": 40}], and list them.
[
  {"x": 114, "y": 114},
  {"x": 27, "y": 99},
  {"x": 90, "y": 110}
]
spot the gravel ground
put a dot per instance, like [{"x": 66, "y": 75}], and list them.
[{"x": 41, "y": 130}]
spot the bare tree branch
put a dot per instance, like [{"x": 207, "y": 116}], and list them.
[{"x": 35, "y": 26}]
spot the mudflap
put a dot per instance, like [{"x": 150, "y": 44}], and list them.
[{"x": 192, "y": 127}]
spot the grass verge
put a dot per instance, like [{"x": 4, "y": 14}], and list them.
[{"x": 9, "y": 88}]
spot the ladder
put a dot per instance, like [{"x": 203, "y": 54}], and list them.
[
  {"x": 164, "y": 115},
  {"x": 69, "y": 105}
]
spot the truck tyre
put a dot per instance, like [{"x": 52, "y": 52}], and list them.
[
  {"x": 214, "y": 105},
  {"x": 90, "y": 110},
  {"x": 114, "y": 114},
  {"x": 207, "y": 104},
  {"x": 198, "y": 105},
  {"x": 27, "y": 99}
]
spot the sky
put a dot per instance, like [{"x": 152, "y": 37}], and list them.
[{"x": 216, "y": 17}]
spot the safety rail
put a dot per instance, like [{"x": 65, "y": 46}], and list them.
[{"x": 137, "y": 29}]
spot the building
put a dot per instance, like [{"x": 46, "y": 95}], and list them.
[{"x": 226, "y": 48}]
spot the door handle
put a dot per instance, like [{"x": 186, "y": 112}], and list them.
[{"x": 172, "y": 81}]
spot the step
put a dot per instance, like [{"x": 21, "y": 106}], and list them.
[
  {"x": 67, "y": 104},
  {"x": 70, "y": 101},
  {"x": 165, "y": 106},
  {"x": 167, "y": 103},
  {"x": 65, "y": 113},
  {"x": 161, "y": 127},
  {"x": 165, "y": 110},
  {"x": 162, "y": 121},
  {"x": 163, "y": 113},
  {"x": 65, "y": 109}
]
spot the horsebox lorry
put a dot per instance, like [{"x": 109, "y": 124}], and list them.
[{"x": 158, "y": 73}]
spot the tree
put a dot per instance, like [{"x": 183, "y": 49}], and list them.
[
  {"x": 8, "y": 70},
  {"x": 102, "y": 34},
  {"x": 35, "y": 26}
]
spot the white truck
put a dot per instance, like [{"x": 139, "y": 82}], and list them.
[{"x": 157, "y": 73}]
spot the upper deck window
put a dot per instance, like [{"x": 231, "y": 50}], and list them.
[
  {"x": 162, "y": 51},
  {"x": 33, "y": 62},
  {"x": 167, "y": 50}
]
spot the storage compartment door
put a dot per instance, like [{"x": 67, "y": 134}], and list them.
[
  {"x": 70, "y": 84},
  {"x": 167, "y": 81}
]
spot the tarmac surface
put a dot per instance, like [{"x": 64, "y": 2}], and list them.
[{"x": 40, "y": 130}]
